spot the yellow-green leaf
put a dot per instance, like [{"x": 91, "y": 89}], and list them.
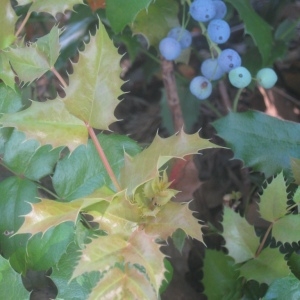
[
  {"x": 50, "y": 123},
  {"x": 171, "y": 217},
  {"x": 95, "y": 84},
  {"x": 48, "y": 213},
  {"x": 144, "y": 166},
  {"x": 6, "y": 73}
]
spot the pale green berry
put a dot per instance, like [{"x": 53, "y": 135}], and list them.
[
  {"x": 239, "y": 77},
  {"x": 266, "y": 78}
]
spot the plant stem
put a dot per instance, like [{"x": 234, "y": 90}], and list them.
[
  {"x": 236, "y": 100},
  {"x": 47, "y": 191},
  {"x": 264, "y": 240},
  {"x": 211, "y": 107},
  {"x": 23, "y": 23},
  {"x": 58, "y": 76},
  {"x": 103, "y": 157}
]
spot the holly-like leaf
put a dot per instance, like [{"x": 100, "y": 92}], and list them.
[
  {"x": 115, "y": 12},
  {"x": 81, "y": 173},
  {"x": 273, "y": 201},
  {"x": 11, "y": 100},
  {"x": 27, "y": 158},
  {"x": 128, "y": 284},
  {"x": 50, "y": 123},
  {"x": 155, "y": 21},
  {"x": 171, "y": 217},
  {"x": 48, "y": 213},
  {"x": 217, "y": 266},
  {"x": 6, "y": 73},
  {"x": 288, "y": 224},
  {"x": 260, "y": 30},
  {"x": 8, "y": 20},
  {"x": 267, "y": 150},
  {"x": 267, "y": 267},
  {"x": 95, "y": 84},
  {"x": 295, "y": 165},
  {"x": 52, "y": 8},
  {"x": 240, "y": 237},
  {"x": 9, "y": 277},
  {"x": 284, "y": 288},
  {"x": 144, "y": 166}
]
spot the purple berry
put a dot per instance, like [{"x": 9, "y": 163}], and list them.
[
  {"x": 202, "y": 10},
  {"x": 229, "y": 59},
  {"x": 218, "y": 31},
  {"x": 182, "y": 35}
]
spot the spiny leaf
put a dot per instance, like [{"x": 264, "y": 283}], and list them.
[
  {"x": 27, "y": 158},
  {"x": 115, "y": 12},
  {"x": 129, "y": 284},
  {"x": 295, "y": 165},
  {"x": 286, "y": 229},
  {"x": 171, "y": 217},
  {"x": 273, "y": 201},
  {"x": 8, "y": 278},
  {"x": 6, "y": 73},
  {"x": 219, "y": 267},
  {"x": 95, "y": 84},
  {"x": 240, "y": 237},
  {"x": 268, "y": 150},
  {"x": 50, "y": 123},
  {"x": 11, "y": 100},
  {"x": 48, "y": 213},
  {"x": 260, "y": 30},
  {"x": 155, "y": 22},
  {"x": 144, "y": 166},
  {"x": 267, "y": 267},
  {"x": 8, "y": 20},
  {"x": 52, "y": 7}
]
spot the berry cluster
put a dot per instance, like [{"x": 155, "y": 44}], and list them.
[{"x": 210, "y": 14}]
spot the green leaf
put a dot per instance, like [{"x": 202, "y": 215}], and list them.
[
  {"x": 10, "y": 100},
  {"x": 288, "y": 224},
  {"x": 8, "y": 279},
  {"x": 82, "y": 172},
  {"x": 144, "y": 166},
  {"x": 294, "y": 264},
  {"x": 127, "y": 284},
  {"x": 220, "y": 268},
  {"x": 155, "y": 22},
  {"x": 295, "y": 165},
  {"x": 178, "y": 238},
  {"x": 273, "y": 201},
  {"x": 80, "y": 287},
  {"x": 50, "y": 123},
  {"x": 8, "y": 20},
  {"x": 95, "y": 84},
  {"x": 267, "y": 267},
  {"x": 240, "y": 237},
  {"x": 52, "y": 8},
  {"x": 6, "y": 73},
  {"x": 168, "y": 276},
  {"x": 268, "y": 150},
  {"x": 284, "y": 288},
  {"x": 171, "y": 217},
  {"x": 115, "y": 12},
  {"x": 286, "y": 30},
  {"x": 260, "y": 30},
  {"x": 16, "y": 196},
  {"x": 27, "y": 158}
]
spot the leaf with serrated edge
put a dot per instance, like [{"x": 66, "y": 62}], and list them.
[
  {"x": 11, "y": 100},
  {"x": 95, "y": 83},
  {"x": 240, "y": 237},
  {"x": 53, "y": 7},
  {"x": 50, "y": 123},
  {"x": 144, "y": 166},
  {"x": 267, "y": 267},
  {"x": 286, "y": 229},
  {"x": 8, "y": 19},
  {"x": 171, "y": 217},
  {"x": 6, "y": 73},
  {"x": 295, "y": 165},
  {"x": 155, "y": 22},
  {"x": 273, "y": 201},
  {"x": 130, "y": 284},
  {"x": 48, "y": 213}
]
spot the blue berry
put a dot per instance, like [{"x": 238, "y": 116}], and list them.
[
  {"x": 218, "y": 31},
  {"x": 266, "y": 78},
  {"x": 229, "y": 59},
  {"x": 169, "y": 48},
  {"x": 182, "y": 35},
  {"x": 221, "y": 9},
  {"x": 239, "y": 77},
  {"x": 202, "y": 10},
  {"x": 211, "y": 69},
  {"x": 201, "y": 87}
]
